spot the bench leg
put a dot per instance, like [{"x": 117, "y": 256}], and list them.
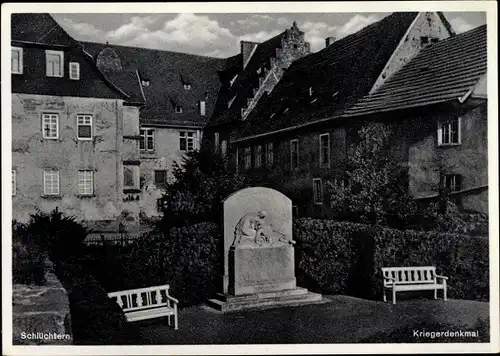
[
  {"x": 444, "y": 291},
  {"x": 176, "y": 321},
  {"x": 169, "y": 321},
  {"x": 385, "y": 297},
  {"x": 435, "y": 294},
  {"x": 393, "y": 296}
]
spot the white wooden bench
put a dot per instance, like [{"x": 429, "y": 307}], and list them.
[
  {"x": 147, "y": 303},
  {"x": 403, "y": 279}
]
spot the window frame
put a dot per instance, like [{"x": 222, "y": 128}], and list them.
[
  {"x": 258, "y": 156},
  {"x": 85, "y": 180},
  {"x": 292, "y": 142},
  {"x": 77, "y": 66},
  {"x": 49, "y": 116},
  {"x": 328, "y": 150},
  {"x": 155, "y": 176},
  {"x": 441, "y": 132},
  {"x": 46, "y": 172},
  {"x": 84, "y": 116},
  {"x": 269, "y": 154},
  {"x": 318, "y": 195},
  {"x": 61, "y": 56},
  {"x": 247, "y": 157},
  {"x": 148, "y": 133},
  {"x": 20, "y": 51},
  {"x": 186, "y": 136},
  {"x": 135, "y": 177}
]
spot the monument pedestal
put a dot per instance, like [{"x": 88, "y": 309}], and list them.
[{"x": 261, "y": 276}]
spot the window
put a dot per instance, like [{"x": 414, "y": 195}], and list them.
[
  {"x": 16, "y": 62},
  {"x": 248, "y": 158},
  {"x": 160, "y": 177},
  {"x": 130, "y": 177},
  {"x": 145, "y": 82},
  {"x": 324, "y": 150},
  {"x": 50, "y": 126},
  {"x": 178, "y": 109},
  {"x": 216, "y": 142},
  {"x": 84, "y": 123},
  {"x": 74, "y": 70},
  {"x": 453, "y": 183},
  {"x": 449, "y": 132},
  {"x": 86, "y": 182},
  {"x": 269, "y": 154},
  {"x": 147, "y": 142},
  {"x": 258, "y": 156},
  {"x": 317, "y": 191},
  {"x": 294, "y": 154},
  {"x": 223, "y": 148},
  {"x": 202, "y": 108},
  {"x": 14, "y": 182},
  {"x": 187, "y": 86},
  {"x": 186, "y": 141},
  {"x": 50, "y": 182},
  {"x": 54, "y": 61},
  {"x": 160, "y": 203}
]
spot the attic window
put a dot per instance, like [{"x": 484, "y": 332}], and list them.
[
  {"x": 187, "y": 86},
  {"x": 234, "y": 79},
  {"x": 426, "y": 40},
  {"x": 178, "y": 109},
  {"x": 145, "y": 82}
]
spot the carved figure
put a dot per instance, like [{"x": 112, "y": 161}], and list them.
[{"x": 252, "y": 227}]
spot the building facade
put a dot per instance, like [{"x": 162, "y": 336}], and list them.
[{"x": 73, "y": 130}]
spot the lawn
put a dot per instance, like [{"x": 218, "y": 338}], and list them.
[{"x": 341, "y": 319}]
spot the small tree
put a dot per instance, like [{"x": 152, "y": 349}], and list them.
[
  {"x": 375, "y": 189},
  {"x": 200, "y": 183}
]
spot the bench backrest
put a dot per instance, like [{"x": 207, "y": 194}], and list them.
[
  {"x": 410, "y": 275},
  {"x": 142, "y": 298}
]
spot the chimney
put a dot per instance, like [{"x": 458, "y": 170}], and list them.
[
  {"x": 329, "y": 41},
  {"x": 247, "y": 49},
  {"x": 202, "y": 107}
]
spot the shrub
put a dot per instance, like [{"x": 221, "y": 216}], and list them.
[
  {"x": 28, "y": 257},
  {"x": 355, "y": 253},
  {"x": 188, "y": 259}
]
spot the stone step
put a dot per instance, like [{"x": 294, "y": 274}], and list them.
[
  {"x": 290, "y": 300},
  {"x": 261, "y": 295}
]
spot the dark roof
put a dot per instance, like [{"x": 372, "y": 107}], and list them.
[
  {"x": 39, "y": 28},
  {"x": 247, "y": 80},
  {"x": 441, "y": 72},
  {"x": 339, "y": 75},
  {"x": 167, "y": 73}
]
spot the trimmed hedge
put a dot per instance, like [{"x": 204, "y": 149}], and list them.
[
  {"x": 188, "y": 260},
  {"x": 95, "y": 318},
  {"x": 346, "y": 258}
]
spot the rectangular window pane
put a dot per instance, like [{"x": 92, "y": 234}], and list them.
[
  {"x": 317, "y": 191},
  {"x": 270, "y": 154},
  {"x": 258, "y": 156},
  {"x": 84, "y": 126},
  {"x": 51, "y": 182},
  {"x": 17, "y": 60},
  {"x": 50, "y": 126},
  {"x": 74, "y": 70},
  {"x": 130, "y": 177},
  {"x": 160, "y": 177},
  {"x": 86, "y": 182},
  {"x": 248, "y": 158},
  {"x": 324, "y": 149},
  {"x": 182, "y": 141}
]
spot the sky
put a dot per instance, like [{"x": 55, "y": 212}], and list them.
[{"x": 219, "y": 35}]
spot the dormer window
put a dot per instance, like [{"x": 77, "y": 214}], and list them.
[
  {"x": 74, "y": 70},
  {"x": 17, "y": 60},
  {"x": 426, "y": 40},
  {"x": 54, "y": 62},
  {"x": 178, "y": 109},
  {"x": 187, "y": 86},
  {"x": 145, "y": 82}
]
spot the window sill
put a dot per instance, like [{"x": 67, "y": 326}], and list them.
[
  {"x": 444, "y": 145},
  {"x": 131, "y": 191},
  {"x": 83, "y": 196},
  {"x": 90, "y": 139},
  {"x": 133, "y": 137},
  {"x": 52, "y": 197}
]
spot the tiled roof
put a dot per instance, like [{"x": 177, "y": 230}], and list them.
[
  {"x": 167, "y": 72},
  {"x": 39, "y": 28},
  {"x": 443, "y": 71},
  {"x": 338, "y": 76},
  {"x": 248, "y": 79}
]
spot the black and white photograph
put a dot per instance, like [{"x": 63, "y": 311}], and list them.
[{"x": 235, "y": 178}]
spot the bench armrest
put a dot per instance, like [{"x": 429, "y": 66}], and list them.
[
  {"x": 172, "y": 299},
  {"x": 442, "y": 277}
]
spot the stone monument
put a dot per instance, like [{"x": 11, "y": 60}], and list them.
[{"x": 259, "y": 264}]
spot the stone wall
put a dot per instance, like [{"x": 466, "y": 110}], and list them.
[{"x": 40, "y": 314}]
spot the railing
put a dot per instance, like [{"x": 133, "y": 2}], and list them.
[{"x": 113, "y": 238}]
